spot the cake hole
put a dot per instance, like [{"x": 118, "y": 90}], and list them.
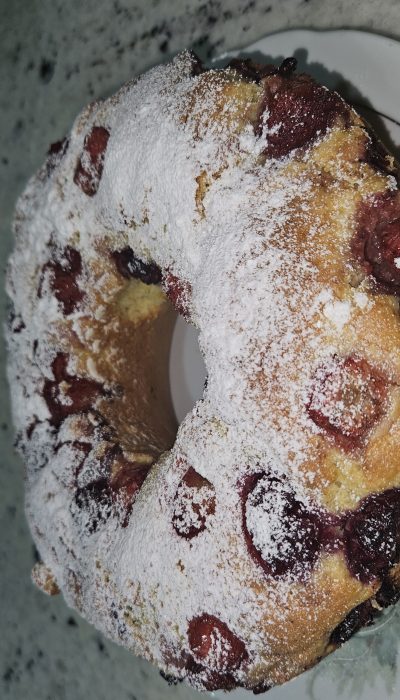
[{"x": 187, "y": 371}]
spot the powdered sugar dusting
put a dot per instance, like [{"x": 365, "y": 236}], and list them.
[
  {"x": 249, "y": 254},
  {"x": 338, "y": 312},
  {"x": 265, "y": 512}
]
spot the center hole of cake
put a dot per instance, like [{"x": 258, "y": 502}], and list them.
[{"x": 187, "y": 371}]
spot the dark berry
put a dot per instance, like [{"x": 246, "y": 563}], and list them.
[
  {"x": 170, "y": 679},
  {"x": 359, "y": 617},
  {"x": 68, "y": 394},
  {"x": 261, "y": 688},
  {"x": 15, "y": 322},
  {"x": 347, "y": 399},
  {"x": 288, "y": 66},
  {"x": 251, "y": 71},
  {"x": 197, "y": 65},
  {"x": 31, "y": 427},
  {"x": 55, "y": 154},
  {"x": 389, "y": 592},
  {"x": 91, "y": 163},
  {"x": 59, "y": 367},
  {"x": 282, "y": 535},
  {"x": 372, "y": 536},
  {"x": 212, "y": 681},
  {"x": 63, "y": 273},
  {"x": 295, "y": 111},
  {"x": 129, "y": 266},
  {"x": 379, "y": 157},
  {"x": 96, "y": 500},
  {"x": 209, "y": 678},
  {"x": 194, "y": 504},
  {"x": 376, "y": 244}
]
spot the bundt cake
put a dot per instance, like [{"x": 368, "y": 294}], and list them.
[{"x": 243, "y": 546}]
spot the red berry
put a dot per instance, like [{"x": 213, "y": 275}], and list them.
[
  {"x": 194, "y": 504},
  {"x": 179, "y": 293},
  {"x": 113, "y": 490},
  {"x": 126, "y": 480},
  {"x": 63, "y": 273},
  {"x": 214, "y": 645},
  {"x": 347, "y": 399},
  {"x": 91, "y": 163}
]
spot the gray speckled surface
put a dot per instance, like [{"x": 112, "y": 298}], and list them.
[{"x": 55, "y": 56}]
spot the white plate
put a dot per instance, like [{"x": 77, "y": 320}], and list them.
[{"x": 364, "y": 68}]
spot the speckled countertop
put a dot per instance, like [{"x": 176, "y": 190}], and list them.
[{"x": 55, "y": 56}]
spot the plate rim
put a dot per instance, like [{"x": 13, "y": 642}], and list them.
[{"x": 379, "y": 40}]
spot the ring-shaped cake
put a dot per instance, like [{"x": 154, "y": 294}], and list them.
[{"x": 244, "y": 546}]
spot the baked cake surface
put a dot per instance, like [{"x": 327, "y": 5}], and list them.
[{"x": 245, "y": 545}]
